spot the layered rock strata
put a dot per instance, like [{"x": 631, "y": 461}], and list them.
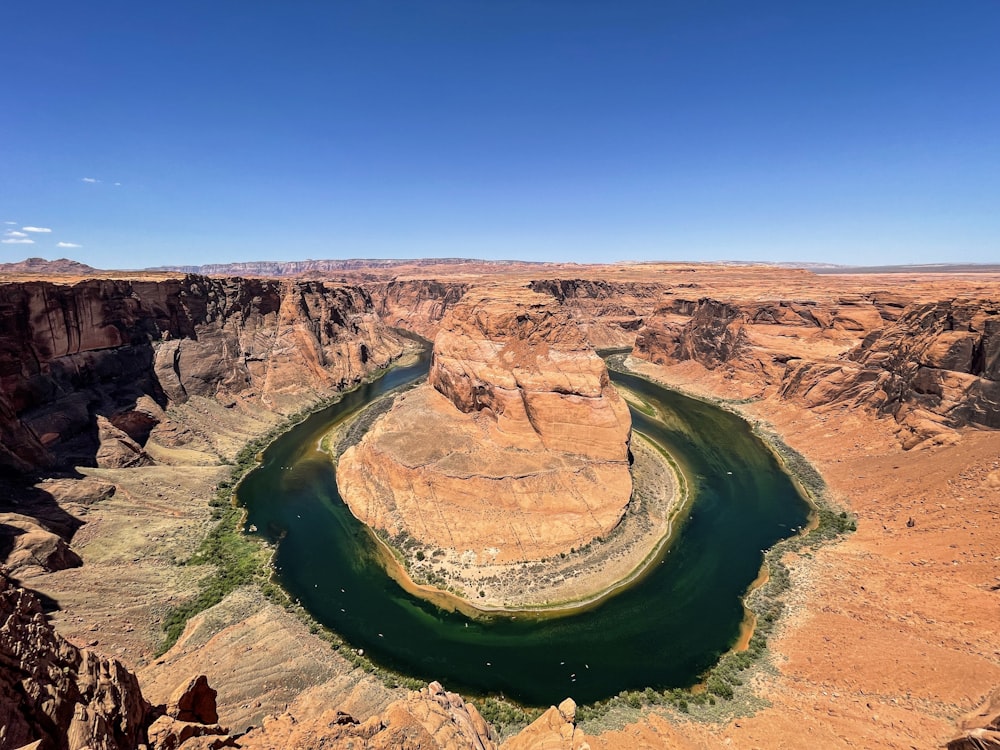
[
  {"x": 609, "y": 312},
  {"x": 418, "y": 305},
  {"x": 87, "y": 370},
  {"x": 933, "y": 367},
  {"x": 68, "y": 698},
  {"x": 937, "y": 367},
  {"x": 529, "y": 454}
]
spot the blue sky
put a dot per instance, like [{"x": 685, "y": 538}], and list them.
[{"x": 570, "y": 130}]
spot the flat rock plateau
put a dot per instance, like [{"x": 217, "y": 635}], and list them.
[{"x": 124, "y": 398}]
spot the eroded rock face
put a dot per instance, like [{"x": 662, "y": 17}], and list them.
[
  {"x": 519, "y": 359},
  {"x": 417, "y": 305},
  {"x": 69, "y": 698},
  {"x": 51, "y": 690},
  {"x": 936, "y": 368},
  {"x": 933, "y": 367},
  {"x": 757, "y": 339},
  {"x": 87, "y": 369},
  {"x": 429, "y": 719},
  {"x": 609, "y": 313},
  {"x": 530, "y": 450},
  {"x": 553, "y": 730}
]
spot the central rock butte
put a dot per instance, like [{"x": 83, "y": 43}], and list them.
[{"x": 517, "y": 447}]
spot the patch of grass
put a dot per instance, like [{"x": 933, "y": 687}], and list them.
[
  {"x": 505, "y": 717},
  {"x": 236, "y": 559}
]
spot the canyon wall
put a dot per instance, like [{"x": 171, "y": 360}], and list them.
[
  {"x": 417, "y": 305},
  {"x": 67, "y": 698},
  {"x": 610, "y": 313},
  {"x": 56, "y": 696},
  {"x": 933, "y": 366},
  {"x": 87, "y": 370}
]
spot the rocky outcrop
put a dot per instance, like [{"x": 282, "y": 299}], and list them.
[
  {"x": 710, "y": 332},
  {"x": 37, "y": 523},
  {"x": 530, "y": 449},
  {"x": 87, "y": 369},
  {"x": 609, "y": 313},
  {"x": 25, "y": 543},
  {"x": 429, "y": 719},
  {"x": 751, "y": 343},
  {"x": 52, "y": 691},
  {"x": 553, "y": 730},
  {"x": 518, "y": 358},
  {"x": 933, "y": 367},
  {"x": 417, "y": 305},
  {"x": 68, "y": 698},
  {"x": 194, "y": 701},
  {"x": 191, "y": 713},
  {"x": 980, "y": 730}
]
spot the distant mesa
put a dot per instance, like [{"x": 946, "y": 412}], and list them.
[
  {"x": 529, "y": 454},
  {"x": 280, "y": 268},
  {"x": 43, "y": 267}
]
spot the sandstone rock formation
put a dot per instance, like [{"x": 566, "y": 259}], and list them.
[
  {"x": 428, "y": 719},
  {"x": 530, "y": 449},
  {"x": 932, "y": 366},
  {"x": 68, "y": 698},
  {"x": 417, "y": 305},
  {"x": 609, "y": 313},
  {"x": 936, "y": 367},
  {"x": 897, "y": 601},
  {"x": 756, "y": 338},
  {"x": 25, "y": 543},
  {"x": 553, "y": 730},
  {"x": 37, "y": 523},
  {"x": 191, "y": 713},
  {"x": 980, "y": 730},
  {"x": 53, "y": 691},
  {"x": 87, "y": 369}
]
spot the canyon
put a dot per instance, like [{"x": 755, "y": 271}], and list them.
[{"x": 125, "y": 397}]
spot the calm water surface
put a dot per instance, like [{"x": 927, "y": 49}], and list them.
[{"x": 662, "y": 632}]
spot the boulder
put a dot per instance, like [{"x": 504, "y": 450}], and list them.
[{"x": 194, "y": 701}]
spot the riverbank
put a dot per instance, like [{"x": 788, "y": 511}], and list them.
[
  {"x": 876, "y": 643},
  {"x": 143, "y": 525},
  {"x": 574, "y": 581}
]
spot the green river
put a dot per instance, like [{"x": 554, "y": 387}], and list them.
[{"x": 664, "y": 631}]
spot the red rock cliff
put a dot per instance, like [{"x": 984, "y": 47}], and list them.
[{"x": 92, "y": 364}]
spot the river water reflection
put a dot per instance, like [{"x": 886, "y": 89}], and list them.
[{"x": 662, "y": 632}]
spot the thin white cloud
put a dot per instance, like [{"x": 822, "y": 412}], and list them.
[
  {"x": 13, "y": 233},
  {"x": 91, "y": 180},
  {"x": 118, "y": 184},
  {"x": 12, "y": 223},
  {"x": 40, "y": 230},
  {"x": 17, "y": 241},
  {"x": 67, "y": 244}
]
